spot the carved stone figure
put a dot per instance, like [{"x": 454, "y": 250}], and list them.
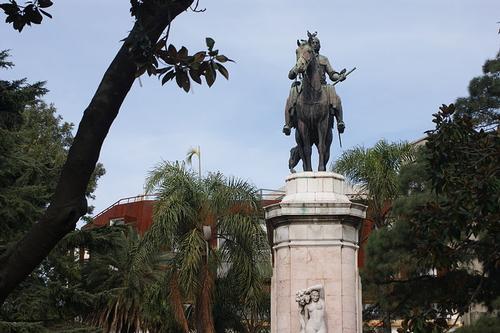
[
  {"x": 311, "y": 310},
  {"x": 312, "y": 104}
]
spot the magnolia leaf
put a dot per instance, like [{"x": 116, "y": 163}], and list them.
[
  {"x": 186, "y": 84},
  {"x": 223, "y": 71},
  {"x": 222, "y": 58},
  {"x": 203, "y": 66},
  {"x": 210, "y": 75},
  {"x": 9, "y": 8},
  {"x": 45, "y": 3},
  {"x": 210, "y": 43},
  {"x": 183, "y": 52},
  {"x": 161, "y": 71},
  {"x": 169, "y": 76},
  {"x": 182, "y": 80},
  {"x": 172, "y": 51},
  {"x": 170, "y": 61},
  {"x": 195, "y": 75},
  {"x": 18, "y": 22},
  {"x": 32, "y": 15},
  {"x": 199, "y": 56},
  {"x": 36, "y": 17}
]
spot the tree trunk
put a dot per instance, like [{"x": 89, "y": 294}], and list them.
[
  {"x": 204, "y": 315},
  {"x": 175, "y": 298},
  {"x": 68, "y": 203}
]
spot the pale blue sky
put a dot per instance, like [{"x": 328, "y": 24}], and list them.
[{"x": 411, "y": 56}]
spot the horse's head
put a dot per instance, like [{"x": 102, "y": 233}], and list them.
[{"x": 305, "y": 54}]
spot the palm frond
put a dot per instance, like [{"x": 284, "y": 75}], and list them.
[
  {"x": 190, "y": 259},
  {"x": 230, "y": 195},
  {"x": 185, "y": 204},
  {"x": 376, "y": 171},
  {"x": 191, "y": 152}
]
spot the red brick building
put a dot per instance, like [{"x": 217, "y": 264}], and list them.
[{"x": 138, "y": 212}]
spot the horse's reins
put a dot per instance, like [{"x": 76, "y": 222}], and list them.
[{"x": 309, "y": 79}]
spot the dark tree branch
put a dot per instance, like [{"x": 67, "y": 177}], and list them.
[{"x": 68, "y": 203}]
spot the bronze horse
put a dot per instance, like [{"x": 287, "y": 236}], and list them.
[{"x": 312, "y": 113}]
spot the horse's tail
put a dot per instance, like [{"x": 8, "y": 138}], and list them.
[{"x": 294, "y": 157}]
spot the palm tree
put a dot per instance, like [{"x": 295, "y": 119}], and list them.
[
  {"x": 121, "y": 294},
  {"x": 121, "y": 289},
  {"x": 376, "y": 171},
  {"x": 118, "y": 288},
  {"x": 209, "y": 228}
]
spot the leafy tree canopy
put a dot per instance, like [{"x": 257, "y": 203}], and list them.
[
  {"x": 442, "y": 253},
  {"x": 145, "y": 49},
  {"x": 483, "y": 102},
  {"x": 34, "y": 143}
]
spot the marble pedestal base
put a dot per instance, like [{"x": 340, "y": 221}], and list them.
[{"x": 314, "y": 236}]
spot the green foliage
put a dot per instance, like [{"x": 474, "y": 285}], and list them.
[
  {"x": 464, "y": 170},
  {"x": 4, "y": 54},
  {"x": 442, "y": 254},
  {"x": 143, "y": 47},
  {"x": 182, "y": 66},
  {"x": 230, "y": 207},
  {"x": 483, "y": 102},
  {"x": 118, "y": 287},
  {"x": 31, "y": 12},
  {"x": 485, "y": 324},
  {"x": 105, "y": 293},
  {"x": 34, "y": 142},
  {"x": 166, "y": 62},
  {"x": 152, "y": 57},
  {"x": 52, "y": 296},
  {"x": 376, "y": 171},
  {"x": 14, "y": 327},
  {"x": 23, "y": 186},
  {"x": 237, "y": 314}
]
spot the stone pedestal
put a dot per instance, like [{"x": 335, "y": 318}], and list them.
[{"x": 314, "y": 238}]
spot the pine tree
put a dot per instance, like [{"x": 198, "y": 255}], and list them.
[
  {"x": 34, "y": 143},
  {"x": 483, "y": 102}
]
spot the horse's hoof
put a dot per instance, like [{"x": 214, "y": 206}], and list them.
[
  {"x": 286, "y": 130},
  {"x": 341, "y": 127},
  {"x": 292, "y": 170}
]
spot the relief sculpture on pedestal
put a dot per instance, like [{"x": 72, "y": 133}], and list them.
[{"x": 311, "y": 310}]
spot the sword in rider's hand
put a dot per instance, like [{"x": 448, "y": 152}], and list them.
[{"x": 345, "y": 75}]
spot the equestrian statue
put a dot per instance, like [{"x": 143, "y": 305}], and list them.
[{"x": 312, "y": 104}]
